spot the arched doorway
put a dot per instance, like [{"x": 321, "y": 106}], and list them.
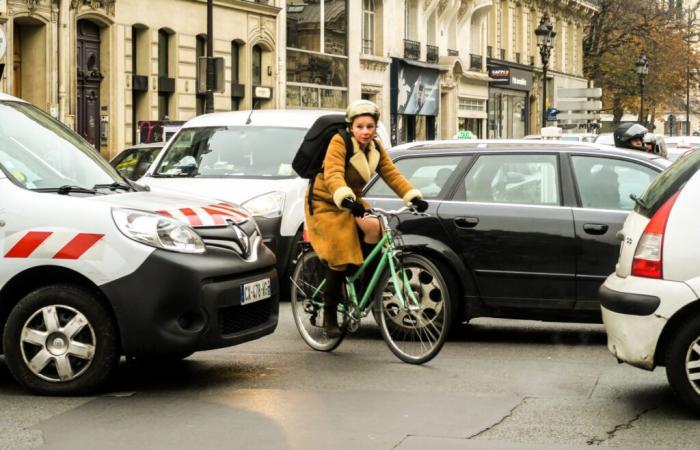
[
  {"x": 29, "y": 61},
  {"x": 89, "y": 81}
]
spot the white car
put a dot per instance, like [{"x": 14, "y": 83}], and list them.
[
  {"x": 650, "y": 304},
  {"x": 678, "y": 145},
  {"x": 94, "y": 266},
  {"x": 245, "y": 157}
]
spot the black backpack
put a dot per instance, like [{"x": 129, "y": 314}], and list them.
[{"x": 308, "y": 161}]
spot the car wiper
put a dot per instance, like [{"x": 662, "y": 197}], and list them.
[
  {"x": 639, "y": 201},
  {"x": 113, "y": 186},
  {"x": 67, "y": 189}
]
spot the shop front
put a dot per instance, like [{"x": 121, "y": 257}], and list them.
[
  {"x": 415, "y": 100},
  {"x": 509, "y": 101}
]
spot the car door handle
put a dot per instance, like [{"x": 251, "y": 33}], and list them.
[
  {"x": 466, "y": 222},
  {"x": 595, "y": 228}
]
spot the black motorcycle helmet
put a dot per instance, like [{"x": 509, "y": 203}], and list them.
[{"x": 628, "y": 131}]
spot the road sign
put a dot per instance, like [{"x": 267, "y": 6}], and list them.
[
  {"x": 580, "y": 92},
  {"x": 578, "y": 116},
  {"x": 580, "y": 105},
  {"x": 552, "y": 113}
]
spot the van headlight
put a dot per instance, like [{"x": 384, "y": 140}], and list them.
[
  {"x": 157, "y": 231},
  {"x": 268, "y": 205}
]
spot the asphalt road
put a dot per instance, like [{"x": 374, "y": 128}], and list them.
[{"x": 496, "y": 385}]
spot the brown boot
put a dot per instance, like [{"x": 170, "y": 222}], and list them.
[{"x": 331, "y": 297}]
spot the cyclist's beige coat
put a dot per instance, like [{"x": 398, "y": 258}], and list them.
[{"x": 332, "y": 229}]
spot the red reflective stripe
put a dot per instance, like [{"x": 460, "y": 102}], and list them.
[
  {"x": 192, "y": 216},
  {"x": 230, "y": 207},
  {"x": 164, "y": 213},
  {"x": 28, "y": 244},
  {"x": 216, "y": 215},
  {"x": 224, "y": 212},
  {"x": 78, "y": 246}
]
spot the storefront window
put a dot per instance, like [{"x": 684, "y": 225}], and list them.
[
  {"x": 335, "y": 29},
  {"x": 303, "y": 24},
  {"x": 312, "y": 68},
  {"x": 507, "y": 114}
]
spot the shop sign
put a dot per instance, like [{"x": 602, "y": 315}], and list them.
[
  {"x": 262, "y": 92},
  {"x": 418, "y": 91},
  {"x": 510, "y": 78},
  {"x": 499, "y": 74}
]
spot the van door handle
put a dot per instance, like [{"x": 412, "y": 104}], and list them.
[
  {"x": 595, "y": 228},
  {"x": 466, "y": 222}
]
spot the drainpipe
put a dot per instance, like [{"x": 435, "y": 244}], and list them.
[{"x": 63, "y": 55}]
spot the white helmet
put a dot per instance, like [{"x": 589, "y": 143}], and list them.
[{"x": 361, "y": 108}]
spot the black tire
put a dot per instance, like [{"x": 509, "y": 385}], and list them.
[
  {"x": 415, "y": 335},
  {"x": 286, "y": 280},
  {"x": 58, "y": 368},
  {"x": 308, "y": 274},
  {"x": 684, "y": 348}
]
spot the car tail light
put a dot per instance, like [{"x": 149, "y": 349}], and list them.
[
  {"x": 305, "y": 235},
  {"x": 648, "y": 257}
]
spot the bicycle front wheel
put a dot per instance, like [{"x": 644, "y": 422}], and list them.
[
  {"x": 415, "y": 329},
  {"x": 307, "y": 309}
]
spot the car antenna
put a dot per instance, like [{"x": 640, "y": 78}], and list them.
[{"x": 247, "y": 122}]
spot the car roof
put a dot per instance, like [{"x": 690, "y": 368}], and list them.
[
  {"x": 511, "y": 145},
  {"x": 288, "y": 118},
  {"x": 7, "y": 97}
]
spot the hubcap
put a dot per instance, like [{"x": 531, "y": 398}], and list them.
[
  {"x": 692, "y": 365},
  {"x": 57, "y": 343}
]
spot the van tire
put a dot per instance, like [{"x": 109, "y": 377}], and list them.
[
  {"x": 44, "y": 315},
  {"x": 679, "y": 353}
]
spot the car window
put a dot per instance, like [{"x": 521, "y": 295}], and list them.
[
  {"x": 668, "y": 183},
  {"x": 232, "y": 152},
  {"x": 127, "y": 162},
  {"x": 427, "y": 174},
  {"x": 525, "y": 179},
  {"x": 607, "y": 183}
]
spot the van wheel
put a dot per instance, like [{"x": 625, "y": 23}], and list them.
[
  {"x": 683, "y": 364},
  {"x": 61, "y": 340}
]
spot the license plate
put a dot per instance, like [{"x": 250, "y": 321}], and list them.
[{"x": 256, "y": 291}]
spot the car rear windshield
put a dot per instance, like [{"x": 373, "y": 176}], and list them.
[
  {"x": 668, "y": 183},
  {"x": 219, "y": 152}
]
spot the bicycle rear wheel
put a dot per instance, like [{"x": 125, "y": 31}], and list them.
[
  {"x": 307, "y": 311},
  {"x": 414, "y": 332}
]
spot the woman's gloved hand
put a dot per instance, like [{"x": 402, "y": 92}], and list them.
[
  {"x": 356, "y": 208},
  {"x": 420, "y": 204}
]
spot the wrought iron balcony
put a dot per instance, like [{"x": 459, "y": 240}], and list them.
[
  {"x": 451, "y": 52},
  {"x": 432, "y": 53},
  {"x": 475, "y": 62},
  {"x": 411, "y": 49}
]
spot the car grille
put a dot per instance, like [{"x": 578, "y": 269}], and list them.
[
  {"x": 233, "y": 319},
  {"x": 226, "y": 238}
]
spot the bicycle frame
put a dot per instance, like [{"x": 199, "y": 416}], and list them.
[{"x": 384, "y": 250}]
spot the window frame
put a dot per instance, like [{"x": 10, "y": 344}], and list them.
[{"x": 368, "y": 35}]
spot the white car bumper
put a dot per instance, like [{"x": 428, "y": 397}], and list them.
[{"x": 635, "y": 312}]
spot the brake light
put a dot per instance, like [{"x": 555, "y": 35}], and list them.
[
  {"x": 305, "y": 235},
  {"x": 648, "y": 257}
]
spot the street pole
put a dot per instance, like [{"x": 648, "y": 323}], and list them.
[
  {"x": 641, "y": 101},
  {"x": 211, "y": 70},
  {"x": 687, "y": 80},
  {"x": 544, "y": 95}
]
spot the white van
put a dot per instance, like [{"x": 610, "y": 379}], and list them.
[
  {"x": 94, "y": 266},
  {"x": 245, "y": 157}
]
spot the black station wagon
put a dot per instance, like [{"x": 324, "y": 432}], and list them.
[{"x": 528, "y": 229}]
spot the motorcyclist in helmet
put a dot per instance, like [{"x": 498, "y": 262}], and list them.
[{"x": 631, "y": 136}]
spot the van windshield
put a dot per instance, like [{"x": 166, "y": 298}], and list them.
[
  {"x": 235, "y": 151},
  {"x": 40, "y": 153},
  {"x": 668, "y": 183}
]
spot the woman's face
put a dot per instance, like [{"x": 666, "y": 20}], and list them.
[{"x": 363, "y": 129}]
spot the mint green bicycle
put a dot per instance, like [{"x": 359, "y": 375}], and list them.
[{"x": 411, "y": 301}]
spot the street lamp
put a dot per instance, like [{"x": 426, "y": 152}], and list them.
[
  {"x": 545, "y": 41},
  {"x": 642, "y": 71}
]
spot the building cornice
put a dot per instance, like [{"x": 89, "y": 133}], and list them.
[{"x": 374, "y": 63}]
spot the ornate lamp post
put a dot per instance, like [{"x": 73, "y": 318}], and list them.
[
  {"x": 545, "y": 41},
  {"x": 642, "y": 65}
]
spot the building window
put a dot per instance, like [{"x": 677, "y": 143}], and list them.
[
  {"x": 164, "y": 80},
  {"x": 257, "y": 66},
  {"x": 201, "y": 51},
  {"x": 472, "y": 104},
  {"x": 411, "y": 19},
  {"x": 368, "y": 17},
  {"x": 235, "y": 74},
  {"x": 317, "y": 63},
  {"x": 140, "y": 59}
]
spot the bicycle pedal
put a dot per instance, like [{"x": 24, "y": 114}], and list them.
[{"x": 353, "y": 326}]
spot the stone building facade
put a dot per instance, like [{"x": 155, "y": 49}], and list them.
[
  {"x": 515, "y": 65},
  {"x": 103, "y": 66}
]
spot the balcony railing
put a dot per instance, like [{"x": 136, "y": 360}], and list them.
[
  {"x": 475, "y": 62},
  {"x": 432, "y": 54},
  {"x": 411, "y": 49},
  {"x": 451, "y": 52}
]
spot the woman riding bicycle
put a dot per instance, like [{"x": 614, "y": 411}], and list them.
[{"x": 339, "y": 228}]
